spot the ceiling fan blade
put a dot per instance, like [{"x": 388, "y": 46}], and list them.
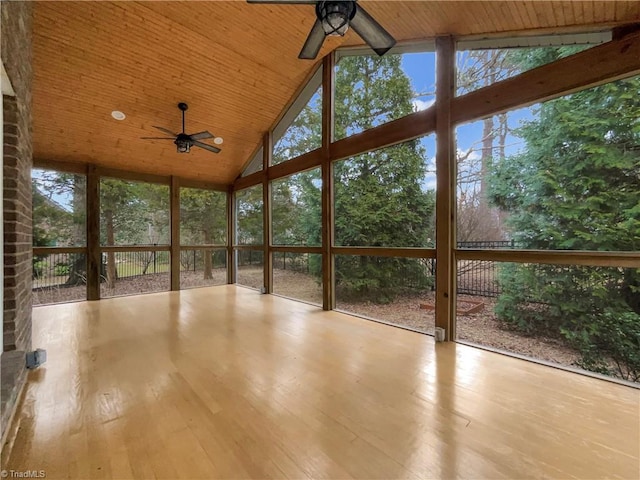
[
  {"x": 371, "y": 31},
  {"x": 201, "y": 135},
  {"x": 313, "y": 43},
  {"x": 168, "y": 132},
  {"x": 284, "y": 2},
  {"x": 157, "y": 138},
  {"x": 211, "y": 148}
]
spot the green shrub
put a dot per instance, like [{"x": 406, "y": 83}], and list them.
[
  {"x": 587, "y": 306},
  {"x": 61, "y": 270}
]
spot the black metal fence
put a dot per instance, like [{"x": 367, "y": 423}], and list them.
[
  {"x": 59, "y": 270},
  {"x": 69, "y": 269},
  {"x": 194, "y": 260},
  {"x": 136, "y": 264},
  {"x": 296, "y": 262},
  {"x": 250, "y": 257},
  {"x": 479, "y": 278},
  {"x": 488, "y": 244}
]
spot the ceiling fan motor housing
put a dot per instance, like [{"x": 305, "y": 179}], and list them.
[{"x": 183, "y": 142}]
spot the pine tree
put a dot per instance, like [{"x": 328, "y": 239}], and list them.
[
  {"x": 203, "y": 221},
  {"x": 575, "y": 187},
  {"x": 379, "y": 199}
]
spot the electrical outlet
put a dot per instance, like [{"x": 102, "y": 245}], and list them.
[{"x": 36, "y": 358}]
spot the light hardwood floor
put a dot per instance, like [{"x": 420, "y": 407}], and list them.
[{"x": 225, "y": 383}]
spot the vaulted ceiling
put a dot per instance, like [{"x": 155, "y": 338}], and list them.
[{"x": 234, "y": 64}]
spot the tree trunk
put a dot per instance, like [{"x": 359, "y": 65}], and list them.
[
  {"x": 78, "y": 264},
  {"x": 488, "y": 136},
  {"x": 503, "y": 130},
  {"x": 630, "y": 288},
  {"x": 208, "y": 268},
  {"x": 111, "y": 256},
  {"x": 487, "y": 151},
  {"x": 79, "y": 211}
]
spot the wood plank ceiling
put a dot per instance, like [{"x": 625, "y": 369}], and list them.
[{"x": 235, "y": 64}]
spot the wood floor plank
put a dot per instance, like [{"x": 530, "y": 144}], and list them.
[{"x": 223, "y": 382}]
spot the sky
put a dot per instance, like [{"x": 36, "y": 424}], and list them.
[
  {"x": 421, "y": 70},
  {"x": 47, "y": 188}
]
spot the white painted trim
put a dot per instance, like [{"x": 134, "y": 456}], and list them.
[
  {"x": 5, "y": 83},
  {"x": 5, "y": 86},
  {"x": 409, "y": 47},
  {"x": 585, "y": 38},
  {"x": 489, "y": 42},
  {"x": 2, "y": 221},
  {"x": 298, "y": 104},
  {"x": 255, "y": 165}
]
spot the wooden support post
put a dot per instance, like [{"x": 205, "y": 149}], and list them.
[
  {"x": 175, "y": 233},
  {"x": 446, "y": 191},
  {"x": 231, "y": 236},
  {"x": 328, "y": 263},
  {"x": 267, "y": 149},
  {"x": 93, "y": 234}
]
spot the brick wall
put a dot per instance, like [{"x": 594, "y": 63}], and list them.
[{"x": 16, "y": 50}]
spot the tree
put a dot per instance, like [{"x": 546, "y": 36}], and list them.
[
  {"x": 379, "y": 196},
  {"x": 304, "y": 134},
  {"x": 296, "y": 200},
  {"x": 249, "y": 218},
  {"x": 203, "y": 221},
  {"x": 58, "y": 212},
  {"x": 575, "y": 187},
  {"x": 477, "y": 219},
  {"x": 51, "y": 221},
  {"x": 284, "y": 214},
  {"x": 132, "y": 213}
]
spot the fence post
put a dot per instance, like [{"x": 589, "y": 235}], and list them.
[{"x": 155, "y": 263}]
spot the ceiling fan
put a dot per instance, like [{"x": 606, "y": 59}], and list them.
[
  {"x": 334, "y": 18},
  {"x": 183, "y": 141}
]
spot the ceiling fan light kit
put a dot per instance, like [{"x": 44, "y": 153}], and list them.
[
  {"x": 184, "y": 141},
  {"x": 335, "y": 18}
]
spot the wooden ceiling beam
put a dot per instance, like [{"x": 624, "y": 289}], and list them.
[
  {"x": 299, "y": 164},
  {"x": 401, "y": 130},
  {"x": 248, "y": 181},
  {"x": 620, "y": 32},
  {"x": 67, "y": 167},
  {"x": 81, "y": 168}
]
